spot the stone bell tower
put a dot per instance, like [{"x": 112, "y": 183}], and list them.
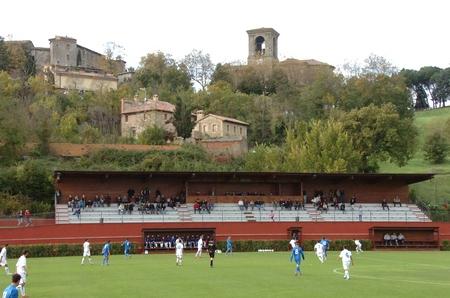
[{"x": 262, "y": 46}]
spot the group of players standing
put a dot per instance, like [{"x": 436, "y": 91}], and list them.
[
  {"x": 321, "y": 249},
  {"x": 19, "y": 278}
]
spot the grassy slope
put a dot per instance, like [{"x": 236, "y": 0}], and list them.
[
  {"x": 438, "y": 189},
  {"x": 375, "y": 274}
]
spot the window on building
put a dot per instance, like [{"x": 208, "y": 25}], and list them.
[
  {"x": 228, "y": 127},
  {"x": 68, "y": 46},
  {"x": 126, "y": 118},
  {"x": 145, "y": 116},
  {"x": 165, "y": 116},
  {"x": 234, "y": 128},
  {"x": 133, "y": 132},
  {"x": 205, "y": 128},
  {"x": 240, "y": 131},
  {"x": 214, "y": 127},
  {"x": 67, "y": 57}
]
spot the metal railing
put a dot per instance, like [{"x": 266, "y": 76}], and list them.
[{"x": 310, "y": 215}]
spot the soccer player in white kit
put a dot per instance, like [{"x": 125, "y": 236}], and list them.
[
  {"x": 318, "y": 248},
  {"x": 4, "y": 260},
  {"x": 358, "y": 246},
  {"x": 346, "y": 257},
  {"x": 86, "y": 252},
  {"x": 179, "y": 251},
  {"x": 199, "y": 247},
  {"x": 21, "y": 269}
]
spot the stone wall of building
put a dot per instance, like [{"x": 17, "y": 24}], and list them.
[
  {"x": 134, "y": 124},
  {"x": 84, "y": 81},
  {"x": 212, "y": 127}
]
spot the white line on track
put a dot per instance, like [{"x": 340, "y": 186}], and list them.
[{"x": 401, "y": 280}]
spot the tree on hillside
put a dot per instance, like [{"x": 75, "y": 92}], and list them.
[
  {"x": 199, "y": 67},
  {"x": 441, "y": 92},
  {"x": 113, "y": 52},
  {"x": 183, "y": 118},
  {"x": 436, "y": 147},
  {"x": 377, "y": 90},
  {"x": 425, "y": 76},
  {"x": 4, "y": 55},
  {"x": 380, "y": 134},
  {"x": 412, "y": 80},
  {"x": 320, "y": 146},
  {"x": 159, "y": 72},
  {"x": 152, "y": 135}
]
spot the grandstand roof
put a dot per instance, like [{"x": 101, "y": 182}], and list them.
[{"x": 277, "y": 176}]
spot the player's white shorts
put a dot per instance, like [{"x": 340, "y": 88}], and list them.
[
  {"x": 346, "y": 265},
  {"x": 199, "y": 249},
  {"x": 179, "y": 255},
  {"x": 319, "y": 254},
  {"x": 3, "y": 263},
  {"x": 23, "y": 278},
  {"x": 87, "y": 253}
]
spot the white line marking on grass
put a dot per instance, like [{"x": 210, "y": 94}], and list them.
[
  {"x": 391, "y": 279},
  {"x": 403, "y": 263}
]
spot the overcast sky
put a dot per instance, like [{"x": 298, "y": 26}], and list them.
[{"x": 408, "y": 33}]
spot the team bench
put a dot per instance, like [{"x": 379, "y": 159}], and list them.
[{"x": 419, "y": 244}]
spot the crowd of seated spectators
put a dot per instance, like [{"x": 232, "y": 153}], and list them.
[
  {"x": 167, "y": 241},
  {"x": 128, "y": 202},
  {"x": 203, "y": 206},
  {"x": 335, "y": 198},
  {"x": 394, "y": 239},
  {"x": 246, "y": 205}
]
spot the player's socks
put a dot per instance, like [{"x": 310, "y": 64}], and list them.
[
  {"x": 7, "y": 270},
  {"x": 211, "y": 263}
]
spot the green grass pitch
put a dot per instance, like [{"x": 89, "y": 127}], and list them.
[{"x": 375, "y": 274}]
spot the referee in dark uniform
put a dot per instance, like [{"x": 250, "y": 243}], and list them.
[{"x": 211, "y": 250}]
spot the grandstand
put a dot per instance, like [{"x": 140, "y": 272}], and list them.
[
  {"x": 229, "y": 212},
  {"x": 246, "y": 206}
]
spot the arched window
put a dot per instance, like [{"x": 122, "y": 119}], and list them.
[{"x": 260, "y": 45}]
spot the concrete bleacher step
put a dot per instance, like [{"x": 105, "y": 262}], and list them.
[
  {"x": 184, "y": 213},
  {"x": 249, "y": 216}
]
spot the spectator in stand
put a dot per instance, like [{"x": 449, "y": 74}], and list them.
[
  {"x": 394, "y": 239},
  {"x": 272, "y": 215},
  {"x": 241, "y": 204},
  {"x": 196, "y": 207},
  {"x": 77, "y": 213},
  {"x": 275, "y": 205},
  {"x": 401, "y": 238},
  {"x": 335, "y": 203},
  {"x": 397, "y": 201},
  {"x": 387, "y": 239},
  {"x": 352, "y": 201},
  {"x": 342, "y": 207},
  {"x": 384, "y": 205},
  {"x": 252, "y": 205},
  {"x": 121, "y": 208}
]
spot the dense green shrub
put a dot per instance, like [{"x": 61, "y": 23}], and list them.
[
  {"x": 61, "y": 250},
  {"x": 445, "y": 245}
]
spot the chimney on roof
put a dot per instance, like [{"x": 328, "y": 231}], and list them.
[
  {"x": 200, "y": 114},
  {"x": 155, "y": 97}
]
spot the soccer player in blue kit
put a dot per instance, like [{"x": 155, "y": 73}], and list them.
[
  {"x": 326, "y": 245},
  {"x": 297, "y": 254},
  {"x": 106, "y": 252},
  {"x": 126, "y": 248}
]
